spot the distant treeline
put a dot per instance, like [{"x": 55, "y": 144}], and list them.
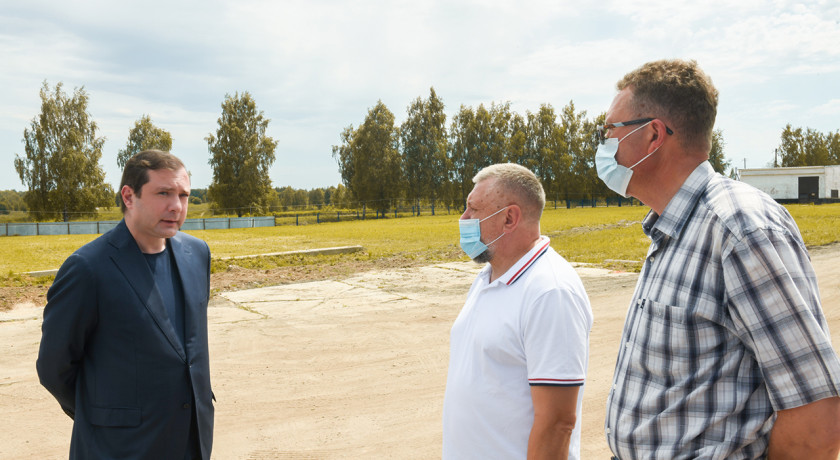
[
  {"x": 426, "y": 161},
  {"x": 11, "y": 200},
  {"x": 289, "y": 198}
]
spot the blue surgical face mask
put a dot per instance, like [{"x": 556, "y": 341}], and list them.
[
  {"x": 471, "y": 235},
  {"x": 616, "y": 177}
]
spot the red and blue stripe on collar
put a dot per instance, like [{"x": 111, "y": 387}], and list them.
[{"x": 542, "y": 250}]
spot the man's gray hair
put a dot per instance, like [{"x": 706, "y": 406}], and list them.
[{"x": 520, "y": 182}]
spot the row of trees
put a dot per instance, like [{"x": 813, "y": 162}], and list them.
[
  {"x": 61, "y": 165},
  {"x": 62, "y": 151},
  {"x": 287, "y": 198},
  {"x": 11, "y": 200},
  {"x": 240, "y": 155},
  {"x": 424, "y": 159},
  {"x": 807, "y": 148},
  {"x": 280, "y": 199}
]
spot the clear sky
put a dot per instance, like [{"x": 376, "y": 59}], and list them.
[{"x": 314, "y": 67}]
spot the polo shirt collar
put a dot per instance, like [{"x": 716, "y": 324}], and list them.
[
  {"x": 523, "y": 264},
  {"x": 678, "y": 210}
]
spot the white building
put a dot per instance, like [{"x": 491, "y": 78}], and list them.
[{"x": 797, "y": 184}]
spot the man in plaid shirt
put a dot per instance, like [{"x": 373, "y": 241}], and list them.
[{"x": 725, "y": 352}]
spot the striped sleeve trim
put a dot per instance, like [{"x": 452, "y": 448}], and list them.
[{"x": 556, "y": 382}]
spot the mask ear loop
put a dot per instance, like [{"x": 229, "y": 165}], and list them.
[
  {"x": 497, "y": 239},
  {"x": 631, "y": 132},
  {"x": 491, "y": 215},
  {"x": 645, "y": 158}
]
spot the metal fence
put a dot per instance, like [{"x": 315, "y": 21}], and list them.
[
  {"x": 210, "y": 223},
  {"x": 287, "y": 218},
  {"x": 220, "y": 223},
  {"x": 89, "y": 228}
]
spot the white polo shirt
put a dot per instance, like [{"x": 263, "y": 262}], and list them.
[{"x": 529, "y": 327}]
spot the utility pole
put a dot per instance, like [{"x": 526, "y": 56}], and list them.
[{"x": 745, "y": 163}]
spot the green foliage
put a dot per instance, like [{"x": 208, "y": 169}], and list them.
[
  {"x": 339, "y": 196},
  {"x": 493, "y": 129},
  {"x": 198, "y": 193},
  {"x": 548, "y": 152},
  {"x": 716, "y": 155},
  {"x": 12, "y": 200},
  {"x": 424, "y": 146},
  {"x": 560, "y": 152},
  {"x": 574, "y": 147},
  {"x": 519, "y": 151},
  {"x": 316, "y": 197},
  {"x": 61, "y": 164},
  {"x": 807, "y": 148},
  {"x": 291, "y": 198},
  {"x": 144, "y": 136},
  {"x": 583, "y": 159},
  {"x": 241, "y": 155},
  {"x": 369, "y": 159},
  {"x": 477, "y": 139}
]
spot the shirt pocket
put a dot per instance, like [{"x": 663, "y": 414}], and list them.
[
  {"x": 663, "y": 344},
  {"x": 682, "y": 344},
  {"x": 665, "y": 315}
]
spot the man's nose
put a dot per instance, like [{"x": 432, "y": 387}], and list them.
[{"x": 175, "y": 204}]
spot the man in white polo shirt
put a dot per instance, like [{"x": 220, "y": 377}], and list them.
[{"x": 519, "y": 348}]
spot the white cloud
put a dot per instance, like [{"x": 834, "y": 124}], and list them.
[
  {"x": 829, "y": 109},
  {"x": 316, "y": 66}
]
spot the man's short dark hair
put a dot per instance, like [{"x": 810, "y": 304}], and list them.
[
  {"x": 136, "y": 172},
  {"x": 678, "y": 90}
]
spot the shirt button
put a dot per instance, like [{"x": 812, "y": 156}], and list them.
[
  {"x": 651, "y": 259},
  {"x": 186, "y": 405}
]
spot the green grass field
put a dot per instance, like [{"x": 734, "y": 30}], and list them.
[{"x": 610, "y": 237}]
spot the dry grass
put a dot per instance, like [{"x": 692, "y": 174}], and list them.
[
  {"x": 819, "y": 224},
  {"x": 607, "y": 236}
]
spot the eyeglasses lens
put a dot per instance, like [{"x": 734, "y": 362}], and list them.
[{"x": 602, "y": 133}]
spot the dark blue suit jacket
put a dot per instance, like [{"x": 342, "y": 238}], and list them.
[{"x": 112, "y": 359}]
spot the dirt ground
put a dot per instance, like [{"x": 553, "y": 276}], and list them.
[{"x": 351, "y": 367}]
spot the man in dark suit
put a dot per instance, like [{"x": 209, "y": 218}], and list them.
[{"x": 124, "y": 344}]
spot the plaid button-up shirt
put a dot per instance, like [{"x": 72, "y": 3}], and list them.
[{"x": 724, "y": 329}]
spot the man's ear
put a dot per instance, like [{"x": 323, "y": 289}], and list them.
[
  {"x": 658, "y": 136},
  {"x": 127, "y": 195},
  {"x": 513, "y": 216}
]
